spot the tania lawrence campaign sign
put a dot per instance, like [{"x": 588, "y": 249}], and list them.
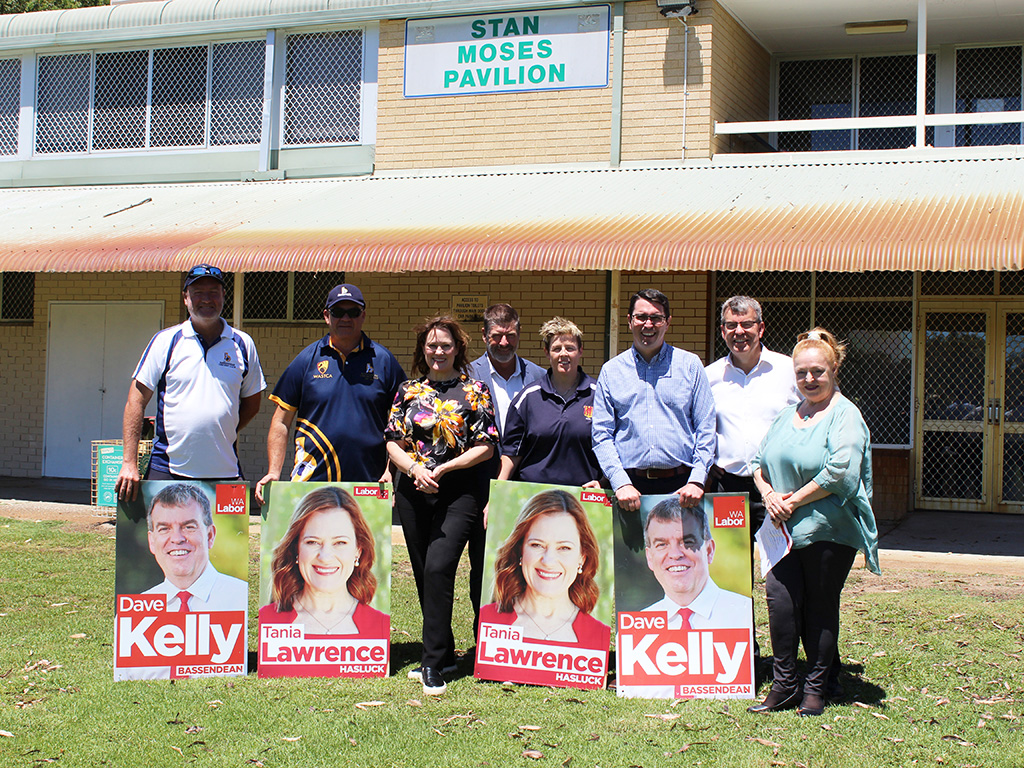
[
  {"x": 325, "y": 581},
  {"x": 684, "y": 623},
  {"x": 181, "y": 593},
  {"x": 547, "y": 586}
]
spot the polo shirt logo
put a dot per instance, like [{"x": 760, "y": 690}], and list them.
[
  {"x": 322, "y": 367},
  {"x": 588, "y": 411},
  {"x": 227, "y": 362},
  {"x": 368, "y": 374}
]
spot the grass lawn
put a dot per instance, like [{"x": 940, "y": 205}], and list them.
[{"x": 936, "y": 678}]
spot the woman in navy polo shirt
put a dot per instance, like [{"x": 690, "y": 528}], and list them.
[
  {"x": 547, "y": 430},
  {"x": 440, "y": 432}
]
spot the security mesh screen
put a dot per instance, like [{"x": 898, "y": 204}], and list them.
[
  {"x": 311, "y": 293},
  {"x": 62, "y": 103},
  {"x": 871, "y": 311},
  {"x": 815, "y": 89},
  {"x": 988, "y": 80},
  {"x": 10, "y": 87},
  {"x": 266, "y": 296},
  {"x": 1013, "y": 410},
  {"x": 322, "y": 90},
  {"x": 18, "y": 294},
  {"x": 888, "y": 86},
  {"x": 236, "y": 101},
  {"x": 952, "y": 451},
  {"x": 178, "y": 112},
  {"x": 1011, "y": 283},
  {"x": 119, "y": 103},
  {"x": 957, "y": 283}
]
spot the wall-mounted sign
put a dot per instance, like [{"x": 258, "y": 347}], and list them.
[
  {"x": 507, "y": 53},
  {"x": 469, "y": 310}
]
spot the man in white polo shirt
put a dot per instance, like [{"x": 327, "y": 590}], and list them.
[{"x": 208, "y": 381}]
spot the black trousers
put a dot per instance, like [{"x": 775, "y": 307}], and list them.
[
  {"x": 803, "y": 601},
  {"x": 437, "y": 528}
]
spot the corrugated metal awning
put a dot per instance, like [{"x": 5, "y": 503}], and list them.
[{"x": 931, "y": 215}]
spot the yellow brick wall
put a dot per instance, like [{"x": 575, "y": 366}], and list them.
[
  {"x": 740, "y": 80},
  {"x": 489, "y": 129},
  {"x": 654, "y": 93}
]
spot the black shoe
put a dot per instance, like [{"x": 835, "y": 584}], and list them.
[
  {"x": 811, "y": 706},
  {"x": 433, "y": 682},
  {"x": 417, "y": 672},
  {"x": 776, "y": 701}
]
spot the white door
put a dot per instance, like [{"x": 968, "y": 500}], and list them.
[{"x": 92, "y": 350}]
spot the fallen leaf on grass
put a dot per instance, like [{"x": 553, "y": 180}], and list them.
[
  {"x": 194, "y": 729},
  {"x": 529, "y": 727},
  {"x": 566, "y": 762},
  {"x": 414, "y": 703},
  {"x": 939, "y": 702},
  {"x": 862, "y": 705},
  {"x": 879, "y": 715},
  {"x": 664, "y": 717},
  {"x": 214, "y": 704},
  {"x": 894, "y": 740},
  {"x": 593, "y": 737},
  {"x": 352, "y": 741},
  {"x": 879, "y": 653},
  {"x": 78, "y": 636},
  {"x": 764, "y": 742},
  {"x": 178, "y": 750},
  {"x": 58, "y": 605},
  {"x": 292, "y": 739},
  {"x": 365, "y": 704},
  {"x": 7, "y": 734},
  {"x": 533, "y": 754},
  {"x": 958, "y": 740}
]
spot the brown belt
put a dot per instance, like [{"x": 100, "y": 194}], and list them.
[{"x": 657, "y": 474}]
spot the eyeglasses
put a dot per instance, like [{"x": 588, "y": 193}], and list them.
[
  {"x": 732, "y": 325},
  {"x": 816, "y": 373},
  {"x": 340, "y": 312},
  {"x": 204, "y": 270},
  {"x": 654, "y": 319},
  {"x": 446, "y": 348}
]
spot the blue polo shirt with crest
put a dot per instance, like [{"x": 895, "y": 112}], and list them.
[{"x": 341, "y": 405}]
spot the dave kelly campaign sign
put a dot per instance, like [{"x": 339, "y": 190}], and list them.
[
  {"x": 181, "y": 589},
  {"x": 682, "y": 574},
  {"x": 547, "y": 591},
  {"x": 325, "y": 581}
]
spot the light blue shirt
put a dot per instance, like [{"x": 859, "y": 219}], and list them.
[
  {"x": 654, "y": 415},
  {"x": 836, "y": 454}
]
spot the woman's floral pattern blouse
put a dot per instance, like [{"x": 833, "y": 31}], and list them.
[{"x": 441, "y": 419}]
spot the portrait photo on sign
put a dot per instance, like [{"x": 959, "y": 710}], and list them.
[
  {"x": 325, "y": 581},
  {"x": 684, "y": 623},
  {"x": 547, "y": 593},
  {"x": 181, "y": 589}
]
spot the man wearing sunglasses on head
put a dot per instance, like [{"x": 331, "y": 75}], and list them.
[
  {"x": 338, "y": 391},
  {"x": 208, "y": 381}
]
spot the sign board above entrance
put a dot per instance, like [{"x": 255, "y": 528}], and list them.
[{"x": 501, "y": 53}]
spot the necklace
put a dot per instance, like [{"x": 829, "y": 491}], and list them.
[
  {"x": 546, "y": 635},
  {"x": 328, "y": 630}
]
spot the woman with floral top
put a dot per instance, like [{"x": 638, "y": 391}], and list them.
[{"x": 440, "y": 431}]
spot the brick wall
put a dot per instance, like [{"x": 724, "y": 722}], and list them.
[
  {"x": 891, "y": 475},
  {"x": 740, "y": 80}
]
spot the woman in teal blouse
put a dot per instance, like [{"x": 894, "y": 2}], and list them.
[{"x": 814, "y": 473}]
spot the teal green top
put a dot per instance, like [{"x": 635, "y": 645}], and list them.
[{"x": 835, "y": 453}]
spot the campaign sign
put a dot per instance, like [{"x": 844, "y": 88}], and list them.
[
  {"x": 181, "y": 591},
  {"x": 549, "y": 591},
  {"x": 682, "y": 593},
  {"x": 325, "y": 581}
]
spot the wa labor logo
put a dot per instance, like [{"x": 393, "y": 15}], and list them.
[{"x": 729, "y": 511}]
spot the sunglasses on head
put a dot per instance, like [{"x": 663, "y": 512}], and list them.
[
  {"x": 340, "y": 312},
  {"x": 205, "y": 270}
]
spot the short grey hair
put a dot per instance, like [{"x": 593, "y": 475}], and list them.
[
  {"x": 670, "y": 510},
  {"x": 180, "y": 495},
  {"x": 740, "y": 305}
]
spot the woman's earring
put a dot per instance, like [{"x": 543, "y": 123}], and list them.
[
  {"x": 356, "y": 564},
  {"x": 580, "y": 569}
]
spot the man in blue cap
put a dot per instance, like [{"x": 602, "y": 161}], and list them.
[
  {"x": 338, "y": 391},
  {"x": 208, "y": 381}
]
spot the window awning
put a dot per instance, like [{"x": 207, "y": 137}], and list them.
[{"x": 907, "y": 215}]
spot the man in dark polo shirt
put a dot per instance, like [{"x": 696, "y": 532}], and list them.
[{"x": 338, "y": 391}]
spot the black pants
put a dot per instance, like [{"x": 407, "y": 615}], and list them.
[
  {"x": 437, "y": 528},
  {"x": 803, "y": 601}
]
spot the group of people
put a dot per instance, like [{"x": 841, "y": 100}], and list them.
[{"x": 655, "y": 421}]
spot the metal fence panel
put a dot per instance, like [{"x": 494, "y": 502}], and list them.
[{"x": 10, "y": 103}]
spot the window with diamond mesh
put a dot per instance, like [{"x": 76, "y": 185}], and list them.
[
  {"x": 322, "y": 88},
  {"x": 236, "y": 100},
  {"x": 178, "y": 111},
  {"x": 269, "y": 294},
  {"x": 17, "y": 295},
  {"x": 870, "y": 311},
  {"x": 62, "y": 103},
  {"x": 10, "y": 90},
  {"x": 149, "y": 98},
  {"x": 988, "y": 80},
  {"x": 878, "y": 85}
]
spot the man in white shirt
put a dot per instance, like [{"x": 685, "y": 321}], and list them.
[
  {"x": 181, "y": 534},
  {"x": 751, "y": 385}
]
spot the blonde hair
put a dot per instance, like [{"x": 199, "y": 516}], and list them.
[
  {"x": 559, "y": 326},
  {"x": 819, "y": 338}
]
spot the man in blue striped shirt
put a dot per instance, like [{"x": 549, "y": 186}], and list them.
[{"x": 654, "y": 415}]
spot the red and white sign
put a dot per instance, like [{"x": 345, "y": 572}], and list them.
[
  {"x": 285, "y": 650},
  {"x": 502, "y": 646},
  {"x": 729, "y": 511},
  {"x": 232, "y": 500}
]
